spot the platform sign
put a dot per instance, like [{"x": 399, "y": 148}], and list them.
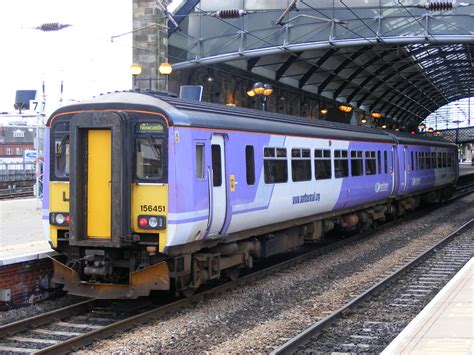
[
  {"x": 37, "y": 106},
  {"x": 30, "y": 155}
]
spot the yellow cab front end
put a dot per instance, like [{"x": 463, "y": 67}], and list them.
[{"x": 109, "y": 202}]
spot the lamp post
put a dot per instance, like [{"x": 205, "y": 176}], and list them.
[
  {"x": 135, "y": 70},
  {"x": 164, "y": 69},
  {"x": 263, "y": 91}
]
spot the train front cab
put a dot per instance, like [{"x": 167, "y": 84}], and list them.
[{"x": 109, "y": 202}]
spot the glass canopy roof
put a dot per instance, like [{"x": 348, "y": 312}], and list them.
[{"x": 403, "y": 58}]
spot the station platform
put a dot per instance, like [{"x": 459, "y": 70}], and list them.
[
  {"x": 466, "y": 169},
  {"x": 446, "y": 324},
  {"x": 21, "y": 231}
]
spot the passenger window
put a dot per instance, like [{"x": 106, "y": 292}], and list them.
[
  {"x": 412, "y": 162},
  {"x": 149, "y": 157},
  {"x": 300, "y": 164},
  {"x": 370, "y": 163},
  {"x": 440, "y": 160},
  {"x": 322, "y": 163},
  {"x": 428, "y": 160},
  {"x": 385, "y": 163},
  {"x": 275, "y": 165},
  {"x": 341, "y": 164},
  {"x": 445, "y": 163},
  {"x": 200, "y": 161},
  {"x": 433, "y": 160},
  {"x": 216, "y": 165},
  {"x": 356, "y": 163},
  {"x": 250, "y": 164}
]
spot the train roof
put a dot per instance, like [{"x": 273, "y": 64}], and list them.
[{"x": 189, "y": 113}]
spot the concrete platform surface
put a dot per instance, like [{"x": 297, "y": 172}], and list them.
[
  {"x": 465, "y": 169},
  {"x": 21, "y": 231},
  {"x": 446, "y": 324}
]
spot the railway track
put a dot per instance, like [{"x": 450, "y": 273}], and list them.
[
  {"x": 79, "y": 325},
  {"x": 19, "y": 193},
  {"x": 367, "y": 323}
]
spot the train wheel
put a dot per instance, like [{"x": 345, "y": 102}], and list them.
[
  {"x": 187, "y": 292},
  {"x": 233, "y": 274}
]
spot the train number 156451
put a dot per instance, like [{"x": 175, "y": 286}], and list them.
[{"x": 152, "y": 208}]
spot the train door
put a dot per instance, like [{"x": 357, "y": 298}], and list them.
[
  {"x": 405, "y": 172},
  {"x": 393, "y": 170},
  {"x": 99, "y": 161},
  {"x": 218, "y": 188}
]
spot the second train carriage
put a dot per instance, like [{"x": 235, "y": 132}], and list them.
[{"x": 151, "y": 192}]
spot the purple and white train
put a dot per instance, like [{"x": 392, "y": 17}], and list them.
[{"x": 150, "y": 192}]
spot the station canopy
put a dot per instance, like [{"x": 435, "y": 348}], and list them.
[{"x": 402, "y": 58}]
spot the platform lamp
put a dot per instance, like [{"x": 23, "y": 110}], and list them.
[
  {"x": 421, "y": 127},
  {"x": 135, "y": 70},
  {"x": 263, "y": 91}
]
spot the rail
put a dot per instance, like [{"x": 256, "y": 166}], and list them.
[{"x": 304, "y": 337}]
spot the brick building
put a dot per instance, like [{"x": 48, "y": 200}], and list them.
[{"x": 14, "y": 141}]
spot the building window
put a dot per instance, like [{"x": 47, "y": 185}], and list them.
[
  {"x": 9, "y": 151},
  {"x": 341, "y": 163},
  {"x": 18, "y": 134},
  {"x": 200, "y": 161},
  {"x": 275, "y": 165},
  {"x": 300, "y": 164},
  {"x": 322, "y": 163},
  {"x": 18, "y": 151},
  {"x": 356, "y": 163},
  {"x": 370, "y": 163},
  {"x": 250, "y": 164}
]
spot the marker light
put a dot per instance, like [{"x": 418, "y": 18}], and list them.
[
  {"x": 143, "y": 222},
  {"x": 151, "y": 222},
  {"x": 68, "y": 219}
]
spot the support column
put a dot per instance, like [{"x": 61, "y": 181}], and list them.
[{"x": 150, "y": 44}]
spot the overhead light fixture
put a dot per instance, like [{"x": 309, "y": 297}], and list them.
[
  {"x": 267, "y": 90},
  {"x": 345, "y": 108},
  {"x": 363, "y": 121},
  {"x": 376, "y": 114},
  {"x": 250, "y": 92},
  {"x": 135, "y": 69},
  {"x": 165, "y": 68},
  {"x": 430, "y": 130},
  {"x": 323, "y": 111},
  {"x": 258, "y": 88},
  {"x": 422, "y": 126}
]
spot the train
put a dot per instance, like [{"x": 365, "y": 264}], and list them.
[{"x": 148, "y": 192}]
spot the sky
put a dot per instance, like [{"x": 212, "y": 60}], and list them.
[{"x": 82, "y": 56}]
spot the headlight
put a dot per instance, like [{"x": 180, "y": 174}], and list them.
[
  {"x": 60, "y": 218},
  {"x": 153, "y": 222}
]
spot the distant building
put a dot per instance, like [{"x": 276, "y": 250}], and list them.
[{"x": 13, "y": 143}]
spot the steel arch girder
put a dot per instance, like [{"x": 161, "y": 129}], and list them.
[
  {"x": 316, "y": 66},
  {"x": 339, "y": 68}
]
